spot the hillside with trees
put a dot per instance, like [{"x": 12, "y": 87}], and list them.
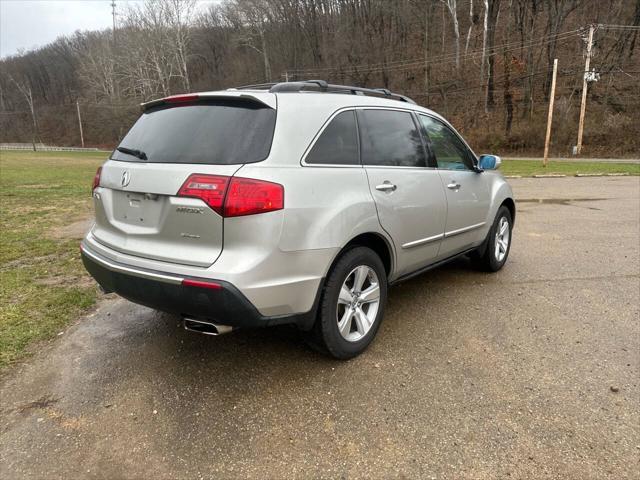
[{"x": 484, "y": 64}]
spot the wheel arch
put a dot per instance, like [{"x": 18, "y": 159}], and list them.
[
  {"x": 511, "y": 205},
  {"x": 376, "y": 242}
]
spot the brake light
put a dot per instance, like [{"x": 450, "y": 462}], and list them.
[
  {"x": 234, "y": 196},
  {"x": 247, "y": 197},
  {"x": 181, "y": 98},
  {"x": 96, "y": 179},
  {"x": 208, "y": 188}
]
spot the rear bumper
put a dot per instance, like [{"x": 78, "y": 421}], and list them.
[{"x": 165, "y": 292}]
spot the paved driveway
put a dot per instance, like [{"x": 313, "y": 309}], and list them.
[{"x": 472, "y": 375}]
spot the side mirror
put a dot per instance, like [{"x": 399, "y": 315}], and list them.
[{"x": 489, "y": 162}]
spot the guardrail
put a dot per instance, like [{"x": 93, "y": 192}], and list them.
[{"x": 46, "y": 148}]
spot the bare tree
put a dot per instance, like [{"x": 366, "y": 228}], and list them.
[
  {"x": 485, "y": 27},
  {"x": 492, "y": 19},
  {"x": 254, "y": 16},
  {"x": 473, "y": 19},
  {"x": 179, "y": 16},
  {"x": 25, "y": 89},
  {"x": 557, "y": 13},
  {"x": 453, "y": 12},
  {"x": 98, "y": 67},
  {"x": 525, "y": 13}
]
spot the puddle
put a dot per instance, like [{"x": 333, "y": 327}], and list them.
[
  {"x": 568, "y": 202},
  {"x": 42, "y": 403},
  {"x": 558, "y": 201}
]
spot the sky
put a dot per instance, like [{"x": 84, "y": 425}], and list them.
[{"x": 27, "y": 24}]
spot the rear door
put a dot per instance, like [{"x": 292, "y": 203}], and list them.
[
  {"x": 137, "y": 208},
  {"x": 407, "y": 189},
  {"x": 467, "y": 191}
]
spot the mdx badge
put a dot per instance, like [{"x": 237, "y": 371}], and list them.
[{"x": 189, "y": 210}]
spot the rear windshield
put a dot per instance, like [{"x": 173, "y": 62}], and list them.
[{"x": 220, "y": 132}]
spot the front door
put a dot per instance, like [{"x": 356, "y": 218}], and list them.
[
  {"x": 467, "y": 191},
  {"x": 407, "y": 190}
]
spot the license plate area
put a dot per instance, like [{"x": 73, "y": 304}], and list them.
[{"x": 140, "y": 209}]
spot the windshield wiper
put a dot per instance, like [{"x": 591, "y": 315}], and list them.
[{"x": 132, "y": 151}]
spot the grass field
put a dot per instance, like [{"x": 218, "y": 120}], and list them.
[
  {"x": 528, "y": 168},
  {"x": 42, "y": 282},
  {"x": 45, "y": 201}
]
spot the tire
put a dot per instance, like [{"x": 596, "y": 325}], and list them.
[
  {"x": 492, "y": 257},
  {"x": 359, "y": 270}
]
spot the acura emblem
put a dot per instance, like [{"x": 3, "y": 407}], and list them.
[{"x": 126, "y": 177}]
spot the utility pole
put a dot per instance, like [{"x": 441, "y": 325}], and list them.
[
  {"x": 80, "y": 123},
  {"x": 583, "y": 104},
  {"x": 113, "y": 14},
  {"x": 550, "y": 115}
]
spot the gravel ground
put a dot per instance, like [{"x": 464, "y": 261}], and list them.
[{"x": 532, "y": 372}]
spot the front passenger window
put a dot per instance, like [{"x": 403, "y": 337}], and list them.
[{"x": 450, "y": 152}]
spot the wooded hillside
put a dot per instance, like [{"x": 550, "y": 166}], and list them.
[{"x": 484, "y": 64}]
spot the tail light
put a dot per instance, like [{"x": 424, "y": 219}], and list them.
[
  {"x": 208, "y": 188},
  {"x": 96, "y": 179},
  {"x": 247, "y": 197},
  {"x": 234, "y": 196}
]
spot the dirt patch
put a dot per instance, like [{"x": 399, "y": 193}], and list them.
[
  {"x": 41, "y": 186},
  {"x": 75, "y": 230},
  {"x": 66, "y": 280},
  {"x": 23, "y": 262}
]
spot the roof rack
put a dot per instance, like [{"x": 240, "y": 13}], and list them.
[
  {"x": 322, "y": 86},
  {"x": 256, "y": 86}
]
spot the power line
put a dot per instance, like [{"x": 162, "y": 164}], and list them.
[
  {"x": 398, "y": 65},
  {"x": 443, "y": 59},
  {"x": 451, "y": 56}
]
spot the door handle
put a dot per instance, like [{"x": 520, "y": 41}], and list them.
[
  {"x": 453, "y": 185},
  {"x": 386, "y": 187}
]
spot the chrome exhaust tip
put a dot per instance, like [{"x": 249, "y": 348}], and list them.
[{"x": 206, "y": 328}]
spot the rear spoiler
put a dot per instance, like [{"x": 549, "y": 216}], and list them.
[{"x": 268, "y": 100}]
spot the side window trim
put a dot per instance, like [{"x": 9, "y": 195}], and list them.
[
  {"x": 416, "y": 122},
  {"x": 359, "y": 135},
  {"x": 472, "y": 156},
  {"x": 319, "y": 133},
  {"x": 426, "y": 143}
]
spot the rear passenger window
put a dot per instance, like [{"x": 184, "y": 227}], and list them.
[
  {"x": 338, "y": 143},
  {"x": 390, "y": 138}
]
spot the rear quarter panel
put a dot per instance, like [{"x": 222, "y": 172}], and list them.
[{"x": 325, "y": 207}]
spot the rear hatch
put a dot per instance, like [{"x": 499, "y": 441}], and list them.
[{"x": 138, "y": 210}]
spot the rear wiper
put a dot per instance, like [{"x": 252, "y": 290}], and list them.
[{"x": 132, "y": 151}]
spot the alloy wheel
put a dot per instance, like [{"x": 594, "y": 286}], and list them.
[
  {"x": 358, "y": 303},
  {"x": 503, "y": 235}
]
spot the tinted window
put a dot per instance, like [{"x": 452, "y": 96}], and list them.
[
  {"x": 390, "y": 138},
  {"x": 218, "y": 132},
  {"x": 450, "y": 152},
  {"x": 338, "y": 143}
]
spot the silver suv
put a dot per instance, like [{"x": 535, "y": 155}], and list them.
[{"x": 293, "y": 203}]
